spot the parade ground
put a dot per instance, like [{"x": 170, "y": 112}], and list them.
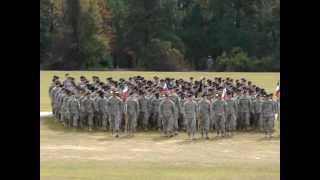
[{"x": 67, "y": 154}]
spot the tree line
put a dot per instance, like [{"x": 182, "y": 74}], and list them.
[{"x": 239, "y": 35}]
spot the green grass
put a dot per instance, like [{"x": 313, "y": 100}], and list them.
[
  {"x": 265, "y": 80},
  {"x": 80, "y": 155},
  {"x": 67, "y": 154}
]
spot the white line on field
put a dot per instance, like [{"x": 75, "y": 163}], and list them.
[{"x": 44, "y": 114}]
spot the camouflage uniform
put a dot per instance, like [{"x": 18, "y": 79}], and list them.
[
  {"x": 115, "y": 112},
  {"x": 132, "y": 110},
  {"x": 268, "y": 111},
  {"x": 189, "y": 112},
  {"x": 244, "y": 112},
  {"x": 103, "y": 111},
  {"x": 65, "y": 110},
  {"x": 83, "y": 113},
  {"x": 167, "y": 115},
  {"x": 176, "y": 100},
  {"x": 256, "y": 108},
  {"x": 219, "y": 108},
  {"x": 231, "y": 121},
  {"x": 204, "y": 116},
  {"x": 155, "y": 103},
  {"x": 74, "y": 111},
  {"x": 89, "y": 110},
  {"x": 144, "y": 105}
]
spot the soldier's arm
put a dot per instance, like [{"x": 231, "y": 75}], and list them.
[
  {"x": 160, "y": 110},
  {"x": 137, "y": 107}
]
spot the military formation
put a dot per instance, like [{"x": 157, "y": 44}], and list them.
[{"x": 168, "y": 105}]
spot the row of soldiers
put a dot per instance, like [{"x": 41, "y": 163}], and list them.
[{"x": 164, "y": 104}]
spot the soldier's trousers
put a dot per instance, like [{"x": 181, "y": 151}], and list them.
[
  {"x": 268, "y": 123},
  {"x": 181, "y": 122},
  {"x": 156, "y": 122},
  {"x": 90, "y": 119},
  {"x": 83, "y": 119},
  {"x": 132, "y": 122},
  {"x": 190, "y": 124},
  {"x": 65, "y": 117},
  {"x": 97, "y": 119},
  {"x": 231, "y": 122},
  {"x": 257, "y": 121},
  {"x": 244, "y": 120},
  {"x": 220, "y": 123},
  {"x": 74, "y": 119},
  {"x": 104, "y": 119},
  {"x": 145, "y": 119},
  {"x": 115, "y": 121},
  {"x": 168, "y": 124},
  {"x": 176, "y": 124},
  {"x": 204, "y": 123},
  {"x": 213, "y": 122}
]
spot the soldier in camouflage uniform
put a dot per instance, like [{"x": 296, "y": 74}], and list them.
[
  {"x": 74, "y": 110},
  {"x": 256, "y": 108},
  {"x": 132, "y": 111},
  {"x": 65, "y": 108},
  {"x": 175, "y": 98},
  {"x": 155, "y": 103},
  {"x": 144, "y": 110},
  {"x": 182, "y": 122},
  {"x": 116, "y": 109},
  {"x": 167, "y": 115},
  {"x": 89, "y": 110},
  {"x": 102, "y": 103},
  {"x": 219, "y": 108},
  {"x": 204, "y": 115},
  {"x": 244, "y": 111},
  {"x": 190, "y": 111},
  {"x": 231, "y": 112},
  {"x": 268, "y": 111}
]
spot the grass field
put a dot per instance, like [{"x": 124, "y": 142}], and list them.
[
  {"x": 67, "y": 154},
  {"x": 265, "y": 80}
]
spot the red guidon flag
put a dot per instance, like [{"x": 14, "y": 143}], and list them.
[{"x": 277, "y": 91}]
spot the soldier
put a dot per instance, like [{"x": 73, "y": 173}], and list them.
[
  {"x": 144, "y": 110},
  {"x": 268, "y": 111},
  {"x": 244, "y": 111},
  {"x": 74, "y": 111},
  {"x": 256, "y": 108},
  {"x": 83, "y": 114},
  {"x": 204, "y": 115},
  {"x": 97, "y": 114},
  {"x": 115, "y": 111},
  {"x": 219, "y": 108},
  {"x": 190, "y": 111},
  {"x": 132, "y": 111},
  {"x": 167, "y": 113},
  {"x": 102, "y": 103},
  {"x": 175, "y": 98},
  {"x": 65, "y": 110},
  {"x": 89, "y": 109},
  {"x": 181, "y": 120},
  {"x": 231, "y": 121},
  {"x": 155, "y": 103}
]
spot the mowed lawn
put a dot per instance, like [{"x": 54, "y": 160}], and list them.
[
  {"x": 265, "y": 80},
  {"x": 67, "y": 154}
]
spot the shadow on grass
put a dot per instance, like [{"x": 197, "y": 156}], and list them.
[
  {"x": 269, "y": 139},
  {"x": 52, "y": 124}
]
